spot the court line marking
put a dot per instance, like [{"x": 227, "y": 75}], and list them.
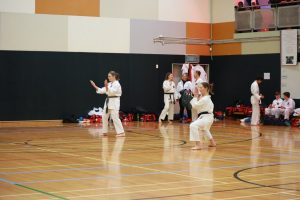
[
  {"x": 32, "y": 189},
  {"x": 45, "y": 166},
  {"x": 131, "y": 192},
  {"x": 41, "y": 192},
  {"x": 158, "y": 189},
  {"x": 256, "y": 195},
  {"x": 268, "y": 148},
  {"x": 143, "y": 185},
  {"x": 259, "y": 135},
  {"x": 129, "y": 165},
  {"x": 243, "y": 140},
  {"x": 261, "y": 174},
  {"x": 123, "y": 164},
  {"x": 159, "y": 172},
  {"x": 170, "y": 188},
  {"x": 201, "y": 193},
  {"x": 236, "y": 175},
  {"x": 144, "y": 164},
  {"x": 125, "y": 175},
  {"x": 235, "y": 141},
  {"x": 176, "y": 188}
]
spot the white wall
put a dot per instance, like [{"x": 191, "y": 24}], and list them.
[
  {"x": 222, "y": 11},
  {"x": 143, "y": 32},
  {"x": 95, "y": 34},
  {"x": 134, "y": 9},
  {"x": 262, "y": 47},
  {"x": 18, "y": 6},
  {"x": 184, "y": 10},
  {"x": 33, "y": 32},
  {"x": 290, "y": 80}
]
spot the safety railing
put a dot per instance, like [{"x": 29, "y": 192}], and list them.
[{"x": 267, "y": 18}]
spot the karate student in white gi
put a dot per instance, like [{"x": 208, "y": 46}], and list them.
[
  {"x": 169, "y": 98},
  {"x": 203, "y": 73},
  {"x": 287, "y": 107},
  {"x": 274, "y": 108},
  {"x": 184, "y": 86},
  {"x": 111, "y": 107},
  {"x": 201, "y": 126},
  {"x": 255, "y": 101},
  {"x": 195, "y": 84}
]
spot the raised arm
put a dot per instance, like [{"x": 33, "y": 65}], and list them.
[
  {"x": 98, "y": 89},
  {"x": 94, "y": 85}
]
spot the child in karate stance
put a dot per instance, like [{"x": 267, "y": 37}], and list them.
[
  {"x": 111, "y": 107},
  {"x": 205, "y": 118},
  {"x": 169, "y": 98}
]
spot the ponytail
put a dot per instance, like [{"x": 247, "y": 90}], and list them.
[{"x": 209, "y": 87}]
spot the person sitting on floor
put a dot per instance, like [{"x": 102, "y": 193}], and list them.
[
  {"x": 274, "y": 108},
  {"x": 287, "y": 107}
]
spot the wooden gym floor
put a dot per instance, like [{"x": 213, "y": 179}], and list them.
[{"x": 73, "y": 162}]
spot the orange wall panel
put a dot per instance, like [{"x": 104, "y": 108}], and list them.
[
  {"x": 223, "y": 31},
  {"x": 198, "y": 30},
  {"x": 201, "y": 31},
  {"x": 227, "y": 49},
  {"x": 202, "y": 50},
  {"x": 68, "y": 7}
]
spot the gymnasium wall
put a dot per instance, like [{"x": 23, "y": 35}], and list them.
[
  {"x": 51, "y": 85},
  {"x": 236, "y": 65},
  {"x": 233, "y": 75},
  {"x": 49, "y": 49},
  {"x": 114, "y": 26}
]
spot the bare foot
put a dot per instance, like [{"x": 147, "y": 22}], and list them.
[
  {"x": 120, "y": 135},
  {"x": 170, "y": 122},
  {"x": 196, "y": 148},
  {"x": 212, "y": 143},
  {"x": 104, "y": 135}
]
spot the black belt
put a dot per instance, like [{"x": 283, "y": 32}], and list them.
[
  {"x": 203, "y": 113},
  {"x": 170, "y": 97},
  {"x": 107, "y": 100}
]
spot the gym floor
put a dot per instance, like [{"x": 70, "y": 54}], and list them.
[{"x": 152, "y": 162}]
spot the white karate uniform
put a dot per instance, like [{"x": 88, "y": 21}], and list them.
[
  {"x": 204, "y": 122},
  {"x": 255, "y": 101},
  {"x": 185, "y": 68},
  {"x": 203, "y": 75},
  {"x": 289, "y": 106},
  {"x": 194, "y": 86},
  {"x": 114, "y": 90},
  {"x": 275, "y": 109},
  {"x": 169, "y": 100},
  {"x": 186, "y": 86}
]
